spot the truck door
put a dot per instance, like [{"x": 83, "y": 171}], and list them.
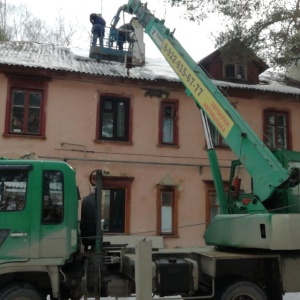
[
  {"x": 15, "y": 213},
  {"x": 54, "y": 232}
]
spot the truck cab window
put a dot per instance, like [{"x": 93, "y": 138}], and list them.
[
  {"x": 52, "y": 197},
  {"x": 13, "y": 185}
]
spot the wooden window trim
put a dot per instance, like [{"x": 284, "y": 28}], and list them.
[
  {"x": 288, "y": 132},
  {"x": 99, "y": 121},
  {"x": 29, "y": 84},
  {"x": 235, "y": 71},
  {"x": 111, "y": 182},
  {"x": 220, "y": 143},
  {"x": 176, "y": 127},
  {"x": 210, "y": 187},
  {"x": 174, "y": 232}
]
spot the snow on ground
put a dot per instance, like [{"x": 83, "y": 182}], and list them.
[{"x": 294, "y": 296}]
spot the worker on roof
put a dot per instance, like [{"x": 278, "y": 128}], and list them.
[
  {"x": 124, "y": 34},
  {"x": 98, "y": 28}
]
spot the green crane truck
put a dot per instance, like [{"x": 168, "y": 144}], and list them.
[{"x": 253, "y": 245}]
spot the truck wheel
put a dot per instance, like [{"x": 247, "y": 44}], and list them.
[
  {"x": 20, "y": 291},
  {"x": 241, "y": 290}
]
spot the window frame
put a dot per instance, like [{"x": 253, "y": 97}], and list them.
[
  {"x": 217, "y": 139},
  {"x": 128, "y": 119},
  {"x": 28, "y": 85},
  {"x": 174, "y": 229},
  {"x": 210, "y": 188},
  {"x": 236, "y": 66},
  {"x": 275, "y": 113},
  {"x": 175, "y": 117},
  {"x": 111, "y": 183},
  {"x": 54, "y": 214},
  {"x": 15, "y": 196},
  {"x": 210, "y": 206}
]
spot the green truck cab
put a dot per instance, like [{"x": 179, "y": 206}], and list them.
[{"x": 38, "y": 223}]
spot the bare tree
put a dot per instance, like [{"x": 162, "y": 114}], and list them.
[
  {"x": 63, "y": 32},
  {"x": 4, "y": 16},
  {"x": 19, "y": 24}
]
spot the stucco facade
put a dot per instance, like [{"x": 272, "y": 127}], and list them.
[{"x": 71, "y": 122}]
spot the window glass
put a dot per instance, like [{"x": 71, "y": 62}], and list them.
[
  {"x": 114, "y": 119},
  {"x": 168, "y": 129},
  {"x": 229, "y": 71},
  {"x": 235, "y": 71},
  {"x": 214, "y": 208},
  {"x": 25, "y": 117},
  {"x": 107, "y": 125},
  {"x": 13, "y": 185},
  {"x": 240, "y": 72},
  {"x": 168, "y": 123},
  {"x": 167, "y": 211},
  {"x": 216, "y": 137},
  {"x": 53, "y": 197},
  {"x": 166, "y": 219},
  {"x": 121, "y": 118},
  {"x": 276, "y": 129},
  {"x": 113, "y": 210}
]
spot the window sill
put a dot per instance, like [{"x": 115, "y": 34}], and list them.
[
  {"x": 172, "y": 236},
  {"x": 222, "y": 147},
  {"x": 114, "y": 142},
  {"x": 9, "y": 135},
  {"x": 114, "y": 233},
  {"x": 167, "y": 146}
]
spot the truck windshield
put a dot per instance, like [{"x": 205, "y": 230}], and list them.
[{"x": 13, "y": 185}]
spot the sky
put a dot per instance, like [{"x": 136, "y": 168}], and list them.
[{"x": 196, "y": 39}]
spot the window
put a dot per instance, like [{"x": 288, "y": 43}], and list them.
[
  {"x": 212, "y": 202},
  {"x": 237, "y": 71},
  {"x": 26, "y": 112},
  {"x": 25, "y": 107},
  {"x": 213, "y": 205},
  {"x": 276, "y": 130},
  {"x": 115, "y": 204},
  {"x": 114, "y": 119},
  {"x": 113, "y": 210},
  {"x": 52, "y": 197},
  {"x": 167, "y": 221},
  {"x": 216, "y": 137},
  {"x": 168, "y": 126},
  {"x": 13, "y": 186}
]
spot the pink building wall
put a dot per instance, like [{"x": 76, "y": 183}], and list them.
[{"x": 71, "y": 116}]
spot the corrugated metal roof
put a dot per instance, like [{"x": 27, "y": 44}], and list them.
[{"x": 34, "y": 55}]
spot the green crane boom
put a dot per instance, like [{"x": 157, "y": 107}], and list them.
[{"x": 273, "y": 175}]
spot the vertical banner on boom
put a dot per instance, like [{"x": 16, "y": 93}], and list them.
[{"x": 201, "y": 94}]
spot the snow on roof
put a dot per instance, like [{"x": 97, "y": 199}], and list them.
[{"x": 34, "y": 55}]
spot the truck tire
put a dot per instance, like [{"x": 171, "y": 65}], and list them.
[
  {"x": 241, "y": 290},
  {"x": 20, "y": 291}
]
